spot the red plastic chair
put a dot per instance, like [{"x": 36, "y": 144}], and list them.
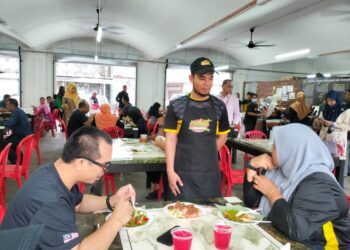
[
  {"x": 64, "y": 126},
  {"x": 3, "y": 161},
  {"x": 114, "y": 132},
  {"x": 2, "y": 212},
  {"x": 18, "y": 170},
  {"x": 230, "y": 177},
  {"x": 152, "y": 130},
  {"x": 253, "y": 134},
  {"x": 38, "y": 134}
]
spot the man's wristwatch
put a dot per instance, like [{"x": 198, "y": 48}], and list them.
[
  {"x": 108, "y": 203},
  {"x": 250, "y": 166}
]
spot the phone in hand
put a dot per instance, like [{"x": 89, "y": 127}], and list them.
[{"x": 166, "y": 238}]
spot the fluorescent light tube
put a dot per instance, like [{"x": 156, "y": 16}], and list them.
[
  {"x": 179, "y": 46},
  {"x": 223, "y": 67},
  {"x": 99, "y": 34},
  {"x": 293, "y": 54},
  {"x": 96, "y": 58},
  {"x": 311, "y": 76},
  {"x": 327, "y": 75}
]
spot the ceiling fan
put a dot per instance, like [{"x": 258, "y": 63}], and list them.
[{"x": 252, "y": 45}]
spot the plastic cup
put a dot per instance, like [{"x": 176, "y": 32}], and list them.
[
  {"x": 222, "y": 235},
  {"x": 182, "y": 238},
  {"x": 143, "y": 138}
]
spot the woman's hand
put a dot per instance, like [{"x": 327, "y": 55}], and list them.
[
  {"x": 262, "y": 161},
  {"x": 267, "y": 188}
]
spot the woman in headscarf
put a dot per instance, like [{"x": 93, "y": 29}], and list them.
[
  {"x": 70, "y": 101},
  {"x": 333, "y": 124},
  {"x": 42, "y": 113},
  {"x": 104, "y": 118},
  {"x": 299, "y": 194},
  {"x": 298, "y": 111}
]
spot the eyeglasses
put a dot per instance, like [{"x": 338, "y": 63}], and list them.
[{"x": 105, "y": 166}]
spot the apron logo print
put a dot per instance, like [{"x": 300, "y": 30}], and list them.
[{"x": 200, "y": 125}]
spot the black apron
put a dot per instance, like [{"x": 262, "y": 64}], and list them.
[{"x": 196, "y": 157}]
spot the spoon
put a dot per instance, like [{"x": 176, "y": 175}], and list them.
[{"x": 132, "y": 199}]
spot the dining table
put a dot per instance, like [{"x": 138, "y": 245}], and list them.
[
  {"x": 257, "y": 147},
  {"x": 244, "y": 236},
  {"x": 131, "y": 155}
]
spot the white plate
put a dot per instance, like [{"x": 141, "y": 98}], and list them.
[
  {"x": 201, "y": 209},
  {"x": 249, "y": 211},
  {"x": 149, "y": 216}
]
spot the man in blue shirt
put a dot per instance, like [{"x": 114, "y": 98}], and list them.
[
  {"x": 16, "y": 128},
  {"x": 51, "y": 196}
]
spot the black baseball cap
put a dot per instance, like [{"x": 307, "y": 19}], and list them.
[{"x": 201, "y": 66}]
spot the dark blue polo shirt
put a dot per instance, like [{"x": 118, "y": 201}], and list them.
[
  {"x": 18, "y": 123},
  {"x": 44, "y": 199}
]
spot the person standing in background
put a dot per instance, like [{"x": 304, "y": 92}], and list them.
[
  {"x": 298, "y": 111},
  {"x": 120, "y": 96},
  {"x": 238, "y": 95},
  {"x": 70, "y": 102},
  {"x": 246, "y": 101},
  {"x": 252, "y": 113},
  {"x": 231, "y": 102}
]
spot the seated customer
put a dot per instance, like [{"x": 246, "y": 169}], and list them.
[
  {"x": 42, "y": 113},
  {"x": 52, "y": 103},
  {"x": 154, "y": 113},
  {"x": 17, "y": 127},
  {"x": 51, "y": 196},
  {"x": 104, "y": 118},
  {"x": 299, "y": 193},
  {"x": 79, "y": 118},
  {"x": 137, "y": 118},
  {"x": 3, "y": 103}
]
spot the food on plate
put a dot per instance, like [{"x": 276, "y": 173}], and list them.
[
  {"x": 137, "y": 150},
  {"x": 184, "y": 211},
  {"x": 239, "y": 216},
  {"x": 138, "y": 218}
]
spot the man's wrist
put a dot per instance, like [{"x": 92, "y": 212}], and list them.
[{"x": 108, "y": 202}]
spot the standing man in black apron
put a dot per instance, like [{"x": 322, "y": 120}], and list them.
[{"x": 196, "y": 128}]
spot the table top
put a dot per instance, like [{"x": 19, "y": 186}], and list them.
[
  {"x": 131, "y": 151},
  {"x": 252, "y": 146},
  {"x": 261, "y": 236}
]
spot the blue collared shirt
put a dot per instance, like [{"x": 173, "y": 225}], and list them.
[{"x": 18, "y": 123}]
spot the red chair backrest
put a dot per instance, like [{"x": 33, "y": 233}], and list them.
[
  {"x": 39, "y": 131},
  {"x": 3, "y": 160},
  {"x": 114, "y": 132},
  {"x": 225, "y": 162},
  {"x": 255, "y": 134},
  {"x": 26, "y": 147},
  {"x": 155, "y": 127},
  {"x": 54, "y": 114},
  {"x": 149, "y": 126},
  {"x": 64, "y": 125},
  {"x": 2, "y": 212}
]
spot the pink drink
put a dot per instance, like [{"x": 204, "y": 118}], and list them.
[
  {"x": 222, "y": 236},
  {"x": 182, "y": 238}
]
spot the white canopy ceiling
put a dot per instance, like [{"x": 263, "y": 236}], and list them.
[{"x": 156, "y": 27}]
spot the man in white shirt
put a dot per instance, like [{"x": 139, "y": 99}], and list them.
[{"x": 231, "y": 102}]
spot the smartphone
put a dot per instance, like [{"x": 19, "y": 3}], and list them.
[{"x": 166, "y": 237}]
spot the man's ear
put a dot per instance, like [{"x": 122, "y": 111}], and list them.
[{"x": 78, "y": 164}]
